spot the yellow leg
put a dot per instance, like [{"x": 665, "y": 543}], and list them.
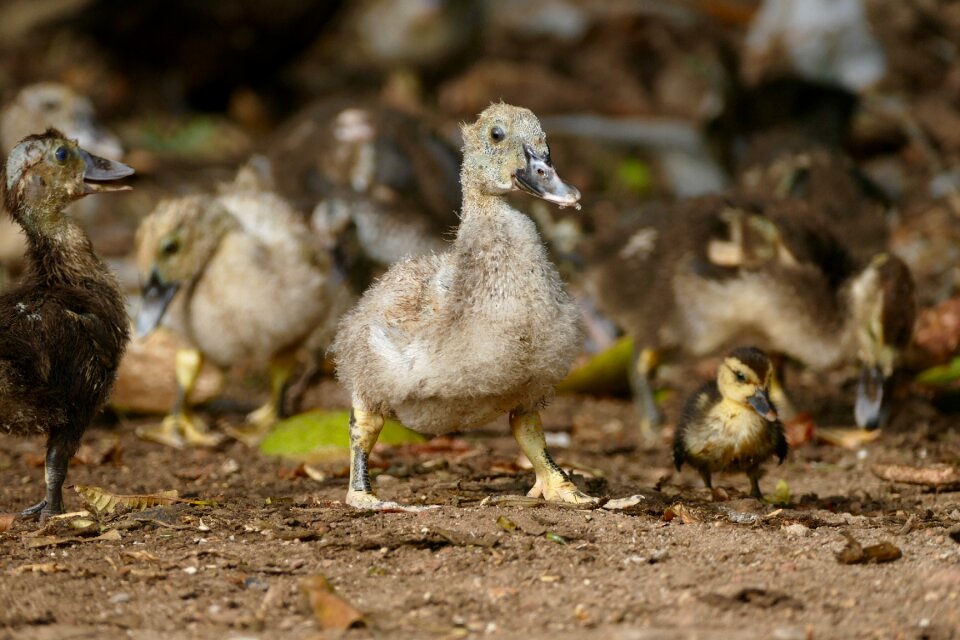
[
  {"x": 644, "y": 369},
  {"x": 259, "y": 422},
  {"x": 182, "y": 428},
  {"x": 365, "y": 428},
  {"x": 552, "y": 483}
]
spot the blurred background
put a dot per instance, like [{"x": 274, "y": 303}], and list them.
[{"x": 359, "y": 103}]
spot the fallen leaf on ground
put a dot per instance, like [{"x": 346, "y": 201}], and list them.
[
  {"x": 55, "y": 541},
  {"x": 624, "y": 503},
  {"x": 102, "y": 501},
  {"x": 606, "y": 372},
  {"x": 799, "y": 430},
  {"x": 855, "y": 553},
  {"x": 506, "y": 524},
  {"x": 681, "y": 511},
  {"x": 41, "y": 567},
  {"x": 938, "y": 333},
  {"x": 938, "y": 476},
  {"x": 781, "y": 494},
  {"x": 847, "y": 438},
  {"x": 467, "y": 539},
  {"x": 6, "y": 521},
  {"x": 320, "y": 435},
  {"x": 330, "y": 610}
]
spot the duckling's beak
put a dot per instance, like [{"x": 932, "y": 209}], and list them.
[
  {"x": 760, "y": 402},
  {"x": 156, "y": 296},
  {"x": 97, "y": 169},
  {"x": 540, "y": 179},
  {"x": 867, "y": 410}
]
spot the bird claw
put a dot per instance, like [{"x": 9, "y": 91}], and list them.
[
  {"x": 35, "y": 511},
  {"x": 370, "y": 502}
]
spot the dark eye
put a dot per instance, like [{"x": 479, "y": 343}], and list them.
[
  {"x": 60, "y": 154},
  {"x": 169, "y": 246},
  {"x": 740, "y": 377},
  {"x": 497, "y": 134}
]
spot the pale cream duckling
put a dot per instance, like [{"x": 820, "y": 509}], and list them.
[
  {"x": 450, "y": 341},
  {"x": 240, "y": 277},
  {"x": 730, "y": 424}
]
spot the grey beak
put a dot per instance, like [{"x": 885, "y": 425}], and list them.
[
  {"x": 540, "y": 179},
  {"x": 99, "y": 169},
  {"x": 156, "y": 296},
  {"x": 760, "y": 402},
  {"x": 868, "y": 408}
]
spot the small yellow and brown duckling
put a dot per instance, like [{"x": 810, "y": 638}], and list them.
[
  {"x": 240, "y": 277},
  {"x": 63, "y": 330},
  {"x": 448, "y": 342},
  {"x": 721, "y": 270},
  {"x": 730, "y": 424}
]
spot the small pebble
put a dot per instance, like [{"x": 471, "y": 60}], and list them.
[{"x": 120, "y": 598}]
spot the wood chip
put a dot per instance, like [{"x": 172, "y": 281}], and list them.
[
  {"x": 6, "y": 521},
  {"x": 330, "y": 610},
  {"x": 855, "y": 553},
  {"x": 681, "y": 511},
  {"x": 938, "y": 476}
]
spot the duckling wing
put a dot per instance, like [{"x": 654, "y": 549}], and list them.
[{"x": 693, "y": 415}]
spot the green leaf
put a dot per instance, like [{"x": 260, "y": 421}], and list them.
[
  {"x": 941, "y": 374},
  {"x": 634, "y": 175},
  {"x": 781, "y": 494},
  {"x": 606, "y": 372},
  {"x": 320, "y": 434}
]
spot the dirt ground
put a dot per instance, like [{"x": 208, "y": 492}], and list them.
[{"x": 500, "y": 568}]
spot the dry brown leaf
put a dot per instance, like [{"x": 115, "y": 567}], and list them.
[
  {"x": 681, "y": 511},
  {"x": 938, "y": 330},
  {"x": 938, "y": 476},
  {"x": 854, "y": 553},
  {"x": 330, "y": 610},
  {"x": 102, "y": 501},
  {"x": 848, "y": 438},
  {"x": 6, "y": 521},
  {"x": 800, "y": 429},
  {"x": 42, "y": 567},
  {"x": 55, "y": 541}
]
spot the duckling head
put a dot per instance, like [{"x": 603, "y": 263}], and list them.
[
  {"x": 744, "y": 378},
  {"x": 174, "y": 244},
  {"x": 884, "y": 310},
  {"x": 506, "y": 150},
  {"x": 46, "y": 171}
]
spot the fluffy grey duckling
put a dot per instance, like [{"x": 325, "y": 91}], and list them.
[
  {"x": 730, "y": 424},
  {"x": 63, "y": 330},
  {"x": 716, "y": 271},
  {"x": 448, "y": 342}
]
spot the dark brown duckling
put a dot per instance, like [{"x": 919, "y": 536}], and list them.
[
  {"x": 64, "y": 328},
  {"x": 730, "y": 424}
]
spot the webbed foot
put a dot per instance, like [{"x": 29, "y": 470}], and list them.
[
  {"x": 369, "y": 501},
  {"x": 560, "y": 491},
  {"x": 259, "y": 423},
  {"x": 181, "y": 431},
  {"x": 35, "y": 511}
]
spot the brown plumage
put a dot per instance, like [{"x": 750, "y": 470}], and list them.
[
  {"x": 730, "y": 424},
  {"x": 717, "y": 271},
  {"x": 64, "y": 328}
]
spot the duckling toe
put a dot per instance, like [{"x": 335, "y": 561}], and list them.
[
  {"x": 370, "y": 502},
  {"x": 562, "y": 491},
  {"x": 258, "y": 425},
  {"x": 35, "y": 511}
]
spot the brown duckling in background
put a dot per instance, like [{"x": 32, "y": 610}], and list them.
[
  {"x": 383, "y": 183},
  {"x": 788, "y": 165},
  {"x": 241, "y": 277},
  {"x": 64, "y": 328},
  {"x": 721, "y": 270},
  {"x": 450, "y": 341},
  {"x": 38, "y": 107},
  {"x": 730, "y": 424}
]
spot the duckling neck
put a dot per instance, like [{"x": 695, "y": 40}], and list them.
[
  {"x": 498, "y": 253},
  {"x": 62, "y": 254}
]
